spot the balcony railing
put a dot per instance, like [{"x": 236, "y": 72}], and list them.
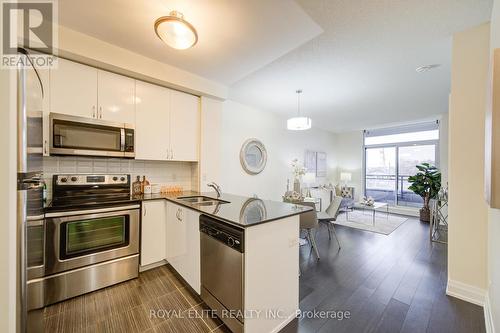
[{"x": 382, "y": 187}]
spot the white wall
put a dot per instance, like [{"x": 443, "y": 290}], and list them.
[
  {"x": 350, "y": 159},
  {"x": 239, "y": 123},
  {"x": 494, "y": 214},
  {"x": 443, "y": 147},
  {"x": 468, "y": 214},
  {"x": 211, "y": 113}
]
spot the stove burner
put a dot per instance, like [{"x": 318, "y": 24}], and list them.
[{"x": 81, "y": 191}]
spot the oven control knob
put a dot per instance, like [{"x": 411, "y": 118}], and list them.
[
  {"x": 74, "y": 179},
  {"x": 230, "y": 241},
  {"x": 64, "y": 180},
  {"x": 122, "y": 179},
  {"x": 115, "y": 178}
]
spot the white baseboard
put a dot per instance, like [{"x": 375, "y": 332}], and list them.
[
  {"x": 488, "y": 315},
  {"x": 406, "y": 211},
  {"x": 286, "y": 322},
  {"x": 466, "y": 292}
]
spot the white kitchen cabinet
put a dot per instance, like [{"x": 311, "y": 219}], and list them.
[
  {"x": 166, "y": 123},
  {"x": 183, "y": 243},
  {"x": 184, "y": 126},
  {"x": 153, "y": 231},
  {"x": 115, "y": 97},
  {"x": 152, "y": 122},
  {"x": 73, "y": 89},
  {"x": 85, "y": 91}
]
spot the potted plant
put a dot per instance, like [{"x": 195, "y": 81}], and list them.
[{"x": 426, "y": 183}]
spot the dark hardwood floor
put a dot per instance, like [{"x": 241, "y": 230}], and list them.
[
  {"x": 156, "y": 302},
  {"x": 392, "y": 283}
]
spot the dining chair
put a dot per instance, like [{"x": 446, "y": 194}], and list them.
[
  {"x": 309, "y": 222},
  {"x": 330, "y": 215}
]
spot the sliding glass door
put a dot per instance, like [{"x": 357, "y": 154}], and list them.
[
  {"x": 381, "y": 173},
  {"x": 391, "y": 156},
  {"x": 408, "y": 158}
]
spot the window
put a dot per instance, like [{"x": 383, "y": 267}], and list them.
[{"x": 391, "y": 156}]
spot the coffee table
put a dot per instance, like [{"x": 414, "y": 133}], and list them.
[{"x": 376, "y": 206}]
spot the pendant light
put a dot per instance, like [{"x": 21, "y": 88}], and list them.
[
  {"x": 175, "y": 31},
  {"x": 298, "y": 123}
]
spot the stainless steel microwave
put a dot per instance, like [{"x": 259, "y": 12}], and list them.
[{"x": 73, "y": 135}]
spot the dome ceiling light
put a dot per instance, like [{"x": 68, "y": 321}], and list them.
[
  {"x": 298, "y": 123},
  {"x": 175, "y": 31}
]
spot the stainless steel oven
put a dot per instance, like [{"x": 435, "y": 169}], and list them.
[
  {"x": 73, "y": 135},
  {"x": 88, "y": 250},
  {"x": 80, "y": 238}
]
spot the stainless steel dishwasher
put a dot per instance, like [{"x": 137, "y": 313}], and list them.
[{"x": 222, "y": 270}]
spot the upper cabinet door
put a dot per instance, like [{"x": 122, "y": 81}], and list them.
[
  {"x": 184, "y": 126},
  {"x": 116, "y": 97},
  {"x": 73, "y": 89},
  {"x": 152, "y": 122}
]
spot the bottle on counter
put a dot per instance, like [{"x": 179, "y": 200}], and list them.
[
  {"x": 144, "y": 182},
  {"x": 136, "y": 186}
]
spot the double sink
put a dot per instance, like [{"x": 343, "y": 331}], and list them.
[{"x": 200, "y": 200}]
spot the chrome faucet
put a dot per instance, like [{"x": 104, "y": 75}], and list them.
[{"x": 216, "y": 188}]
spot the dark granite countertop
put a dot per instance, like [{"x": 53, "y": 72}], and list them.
[{"x": 239, "y": 211}]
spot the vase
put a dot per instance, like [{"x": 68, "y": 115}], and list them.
[
  {"x": 296, "y": 185},
  {"x": 425, "y": 212}
]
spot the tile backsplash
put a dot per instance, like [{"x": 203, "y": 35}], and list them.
[{"x": 159, "y": 172}]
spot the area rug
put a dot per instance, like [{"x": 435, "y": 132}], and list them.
[{"x": 364, "y": 221}]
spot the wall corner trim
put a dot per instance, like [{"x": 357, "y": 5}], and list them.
[
  {"x": 466, "y": 292},
  {"x": 488, "y": 315}
]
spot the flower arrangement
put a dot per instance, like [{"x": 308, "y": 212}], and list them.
[
  {"x": 368, "y": 201},
  {"x": 297, "y": 169},
  {"x": 292, "y": 196}
]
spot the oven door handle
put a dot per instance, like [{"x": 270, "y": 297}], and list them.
[{"x": 91, "y": 211}]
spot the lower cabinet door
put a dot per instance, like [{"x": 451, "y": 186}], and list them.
[
  {"x": 176, "y": 236},
  {"x": 153, "y": 232},
  {"x": 183, "y": 243},
  {"x": 193, "y": 268}
]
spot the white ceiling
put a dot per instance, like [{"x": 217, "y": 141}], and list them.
[
  {"x": 354, "y": 60},
  {"x": 235, "y": 37},
  {"x": 360, "y": 72}
]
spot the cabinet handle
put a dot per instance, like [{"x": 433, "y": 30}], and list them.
[
  {"x": 100, "y": 112},
  {"x": 45, "y": 147},
  {"x": 172, "y": 153},
  {"x": 144, "y": 210},
  {"x": 93, "y": 112}
]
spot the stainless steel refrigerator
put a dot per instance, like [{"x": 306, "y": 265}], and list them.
[{"x": 30, "y": 219}]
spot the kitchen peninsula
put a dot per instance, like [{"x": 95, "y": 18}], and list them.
[{"x": 240, "y": 254}]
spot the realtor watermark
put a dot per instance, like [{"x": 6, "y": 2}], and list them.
[
  {"x": 250, "y": 314},
  {"x": 32, "y": 26}
]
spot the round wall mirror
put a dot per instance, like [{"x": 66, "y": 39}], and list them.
[{"x": 253, "y": 156}]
